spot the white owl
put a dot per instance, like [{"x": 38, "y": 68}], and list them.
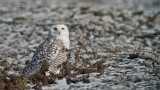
[{"x": 53, "y": 49}]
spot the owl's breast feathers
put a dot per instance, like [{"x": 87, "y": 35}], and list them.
[{"x": 52, "y": 51}]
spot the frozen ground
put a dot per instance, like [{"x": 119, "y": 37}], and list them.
[{"x": 124, "y": 33}]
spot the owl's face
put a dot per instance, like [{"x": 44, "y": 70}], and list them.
[{"x": 60, "y": 30}]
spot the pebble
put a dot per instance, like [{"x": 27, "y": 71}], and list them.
[{"x": 107, "y": 18}]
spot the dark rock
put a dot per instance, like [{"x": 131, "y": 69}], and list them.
[{"x": 132, "y": 56}]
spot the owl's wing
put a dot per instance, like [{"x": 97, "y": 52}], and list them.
[{"x": 48, "y": 50}]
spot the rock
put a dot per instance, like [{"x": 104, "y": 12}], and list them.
[
  {"x": 6, "y": 20},
  {"x": 121, "y": 39},
  {"x": 107, "y": 18},
  {"x": 132, "y": 56}
]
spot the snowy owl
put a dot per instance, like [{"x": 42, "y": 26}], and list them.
[{"x": 53, "y": 49}]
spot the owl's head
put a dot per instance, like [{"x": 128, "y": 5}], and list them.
[{"x": 60, "y": 30}]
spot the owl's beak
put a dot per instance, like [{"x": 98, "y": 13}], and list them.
[{"x": 57, "y": 32}]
